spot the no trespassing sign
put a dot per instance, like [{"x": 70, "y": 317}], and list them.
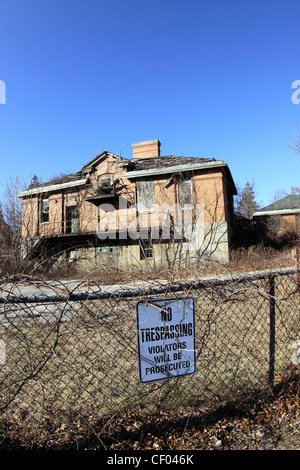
[{"x": 165, "y": 339}]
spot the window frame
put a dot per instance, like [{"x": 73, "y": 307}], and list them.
[
  {"x": 146, "y": 249},
  {"x": 44, "y": 214},
  {"x": 184, "y": 181},
  {"x": 145, "y": 204},
  {"x": 68, "y": 220}
]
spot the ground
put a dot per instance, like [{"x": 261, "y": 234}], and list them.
[{"x": 270, "y": 420}]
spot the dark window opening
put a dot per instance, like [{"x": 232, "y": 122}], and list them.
[{"x": 146, "y": 249}]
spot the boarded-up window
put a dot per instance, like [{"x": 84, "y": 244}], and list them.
[
  {"x": 71, "y": 219},
  {"x": 185, "y": 192},
  {"x": 145, "y": 196}
]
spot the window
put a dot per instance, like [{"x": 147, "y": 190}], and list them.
[
  {"x": 98, "y": 252},
  {"x": 45, "y": 210},
  {"x": 71, "y": 219},
  {"x": 185, "y": 192},
  {"x": 146, "y": 249},
  {"x": 105, "y": 184},
  {"x": 145, "y": 196},
  {"x": 108, "y": 255}
]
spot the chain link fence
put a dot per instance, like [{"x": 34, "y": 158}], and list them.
[{"x": 70, "y": 358}]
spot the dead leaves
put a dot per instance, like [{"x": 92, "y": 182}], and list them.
[{"x": 270, "y": 422}]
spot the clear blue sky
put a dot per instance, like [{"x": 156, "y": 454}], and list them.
[{"x": 208, "y": 78}]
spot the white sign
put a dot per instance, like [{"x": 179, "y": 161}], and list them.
[{"x": 166, "y": 339}]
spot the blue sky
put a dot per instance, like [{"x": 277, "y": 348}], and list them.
[{"x": 208, "y": 78}]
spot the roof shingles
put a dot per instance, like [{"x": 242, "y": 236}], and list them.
[{"x": 291, "y": 202}]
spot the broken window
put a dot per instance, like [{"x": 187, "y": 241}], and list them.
[
  {"x": 72, "y": 219},
  {"x": 105, "y": 184},
  {"x": 185, "y": 196},
  {"x": 45, "y": 210},
  {"x": 146, "y": 249},
  {"x": 145, "y": 196}
]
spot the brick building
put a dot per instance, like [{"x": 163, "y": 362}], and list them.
[{"x": 147, "y": 211}]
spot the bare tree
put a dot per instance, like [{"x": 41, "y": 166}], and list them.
[
  {"x": 294, "y": 144},
  {"x": 281, "y": 193},
  {"x": 11, "y": 221}
]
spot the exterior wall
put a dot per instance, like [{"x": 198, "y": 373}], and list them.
[
  {"x": 290, "y": 222},
  {"x": 30, "y": 213},
  {"x": 165, "y": 255},
  {"x": 274, "y": 228}
]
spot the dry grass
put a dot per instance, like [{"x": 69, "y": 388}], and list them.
[{"x": 241, "y": 259}]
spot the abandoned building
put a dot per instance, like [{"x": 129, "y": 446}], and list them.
[
  {"x": 279, "y": 221},
  {"x": 147, "y": 211}
]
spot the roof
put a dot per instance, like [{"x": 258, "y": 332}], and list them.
[
  {"x": 67, "y": 181},
  {"x": 137, "y": 168},
  {"x": 287, "y": 205},
  {"x": 98, "y": 159},
  {"x": 163, "y": 162}
]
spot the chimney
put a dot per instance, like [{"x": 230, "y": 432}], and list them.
[{"x": 147, "y": 149}]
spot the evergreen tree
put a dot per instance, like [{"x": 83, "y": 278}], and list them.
[{"x": 245, "y": 203}]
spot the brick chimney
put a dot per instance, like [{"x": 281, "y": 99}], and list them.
[{"x": 147, "y": 149}]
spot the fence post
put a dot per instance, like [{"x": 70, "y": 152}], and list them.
[
  {"x": 272, "y": 330},
  {"x": 296, "y": 256}
]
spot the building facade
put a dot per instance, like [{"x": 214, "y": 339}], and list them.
[
  {"x": 279, "y": 220},
  {"x": 149, "y": 211}
]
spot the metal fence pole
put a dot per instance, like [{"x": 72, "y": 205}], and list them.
[{"x": 272, "y": 331}]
